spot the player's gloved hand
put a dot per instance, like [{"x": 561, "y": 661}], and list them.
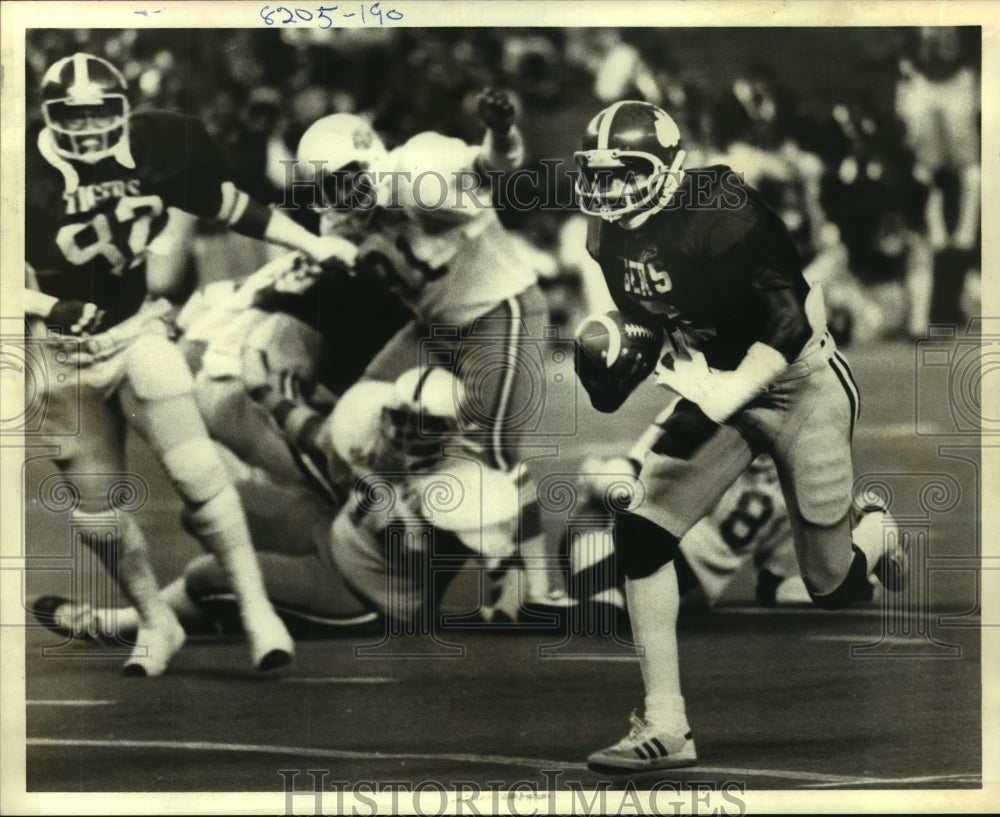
[
  {"x": 496, "y": 110},
  {"x": 75, "y": 317},
  {"x": 610, "y": 386}
]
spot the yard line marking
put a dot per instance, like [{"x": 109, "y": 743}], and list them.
[
  {"x": 70, "y": 703},
  {"x": 361, "y": 679},
  {"x": 959, "y": 777},
  {"x": 854, "y": 639},
  {"x": 809, "y": 610},
  {"x": 303, "y": 751},
  {"x": 904, "y": 430},
  {"x": 595, "y": 657},
  {"x": 500, "y": 760},
  {"x": 827, "y": 779}
]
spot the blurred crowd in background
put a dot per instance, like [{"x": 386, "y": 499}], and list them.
[{"x": 865, "y": 141}]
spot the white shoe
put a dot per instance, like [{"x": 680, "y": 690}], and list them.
[
  {"x": 551, "y": 598},
  {"x": 645, "y": 747},
  {"x": 69, "y": 619},
  {"x": 271, "y": 646},
  {"x": 892, "y": 568},
  {"x": 154, "y": 647}
]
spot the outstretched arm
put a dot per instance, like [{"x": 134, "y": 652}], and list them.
[{"x": 503, "y": 145}]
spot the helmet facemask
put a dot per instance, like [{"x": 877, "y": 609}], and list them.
[
  {"x": 345, "y": 156},
  {"x": 85, "y": 128},
  {"x": 340, "y": 190},
  {"x": 619, "y": 185}
]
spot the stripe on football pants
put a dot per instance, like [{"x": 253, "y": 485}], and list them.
[
  {"x": 843, "y": 372},
  {"x": 503, "y": 403}
]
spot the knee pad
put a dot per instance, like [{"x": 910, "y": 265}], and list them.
[
  {"x": 157, "y": 370},
  {"x": 854, "y": 586},
  {"x": 195, "y": 469},
  {"x": 641, "y": 547}
]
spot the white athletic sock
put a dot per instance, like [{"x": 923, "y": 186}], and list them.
[
  {"x": 222, "y": 529},
  {"x": 126, "y": 620},
  {"x": 136, "y": 576},
  {"x": 653, "y": 602},
  {"x": 543, "y": 578}
]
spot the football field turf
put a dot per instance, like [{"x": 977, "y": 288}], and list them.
[{"x": 794, "y": 698}]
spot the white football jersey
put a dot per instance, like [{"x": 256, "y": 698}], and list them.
[
  {"x": 750, "y": 521},
  {"x": 438, "y": 241}
]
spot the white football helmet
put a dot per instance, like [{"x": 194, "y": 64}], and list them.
[
  {"x": 355, "y": 425},
  {"x": 344, "y": 156},
  {"x": 432, "y": 390}
]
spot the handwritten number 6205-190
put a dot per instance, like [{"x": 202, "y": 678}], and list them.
[{"x": 282, "y": 15}]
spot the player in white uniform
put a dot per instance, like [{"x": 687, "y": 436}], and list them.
[
  {"x": 422, "y": 217},
  {"x": 410, "y": 519},
  {"x": 100, "y": 182}
]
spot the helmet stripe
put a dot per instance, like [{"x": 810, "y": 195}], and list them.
[
  {"x": 604, "y": 133},
  {"x": 82, "y": 75}
]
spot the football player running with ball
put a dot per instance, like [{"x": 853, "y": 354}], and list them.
[
  {"x": 711, "y": 294},
  {"x": 423, "y": 219},
  {"x": 100, "y": 180}
]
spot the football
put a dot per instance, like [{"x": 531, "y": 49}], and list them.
[{"x": 603, "y": 337}]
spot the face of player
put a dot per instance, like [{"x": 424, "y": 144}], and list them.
[{"x": 91, "y": 123}]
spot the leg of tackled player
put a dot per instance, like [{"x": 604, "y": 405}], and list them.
[{"x": 157, "y": 398}]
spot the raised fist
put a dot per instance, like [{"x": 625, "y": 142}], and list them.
[
  {"x": 75, "y": 317},
  {"x": 496, "y": 110}
]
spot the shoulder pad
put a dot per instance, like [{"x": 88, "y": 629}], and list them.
[{"x": 162, "y": 136}]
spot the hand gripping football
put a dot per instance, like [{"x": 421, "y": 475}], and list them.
[{"x": 614, "y": 356}]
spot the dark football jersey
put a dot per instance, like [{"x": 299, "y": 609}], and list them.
[
  {"x": 354, "y": 313},
  {"x": 87, "y": 226},
  {"x": 717, "y": 267}
]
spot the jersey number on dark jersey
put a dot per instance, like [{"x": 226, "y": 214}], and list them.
[{"x": 119, "y": 235}]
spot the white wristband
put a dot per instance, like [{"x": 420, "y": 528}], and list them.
[
  {"x": 38, "y": 304},
  {"x": 732, "y": 390}
]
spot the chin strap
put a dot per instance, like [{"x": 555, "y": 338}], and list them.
[{"x": 674, "y": 177}]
